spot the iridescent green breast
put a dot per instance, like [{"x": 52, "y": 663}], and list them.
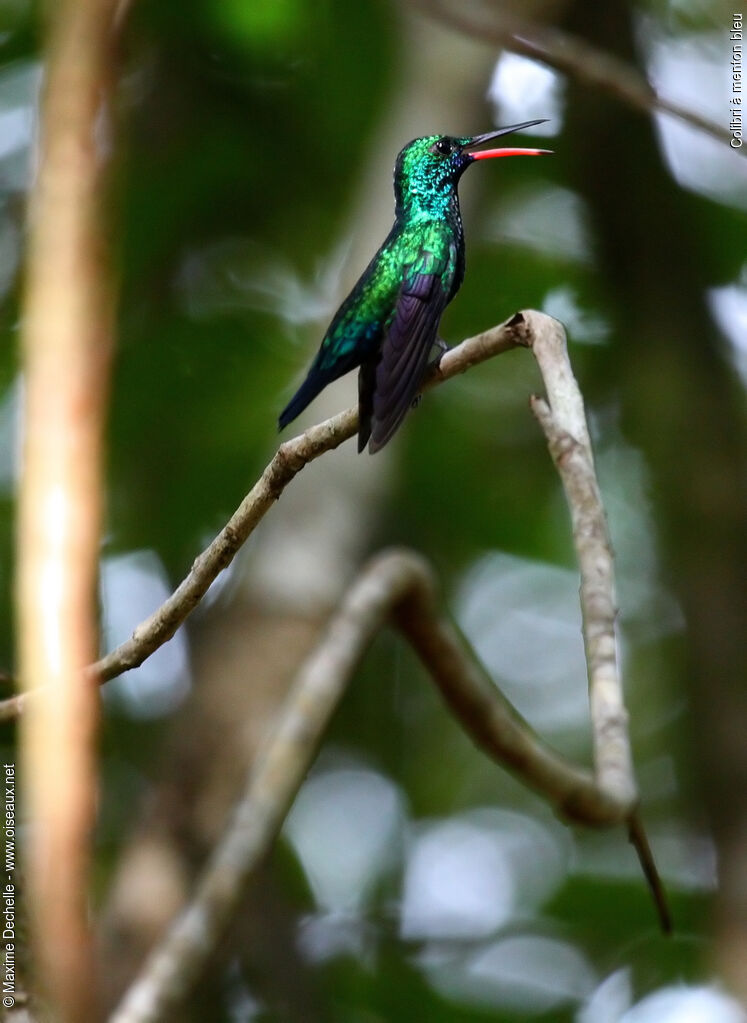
[{"x": 423, "y": 247}]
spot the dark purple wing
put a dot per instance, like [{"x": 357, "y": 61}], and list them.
[{"x": 404, "y": 352}]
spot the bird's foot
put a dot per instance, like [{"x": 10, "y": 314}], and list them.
[{"x": 441, "y": 348}]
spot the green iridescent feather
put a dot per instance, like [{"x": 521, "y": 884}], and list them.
[{"x": 388, "y": 324}]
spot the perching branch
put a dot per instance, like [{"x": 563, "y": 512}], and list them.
[
  {"x": 289, "y": 460},
  {"x": 400, "y": 586},
  {"x": 569, "y": 55}
]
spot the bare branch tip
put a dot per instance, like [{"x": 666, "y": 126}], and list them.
[{"x": 639, "y": 840}]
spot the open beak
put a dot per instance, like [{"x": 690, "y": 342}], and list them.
[{"x": 488, "y": 154}]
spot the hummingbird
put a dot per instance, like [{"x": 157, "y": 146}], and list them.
[{"x": 388, "y": 324}]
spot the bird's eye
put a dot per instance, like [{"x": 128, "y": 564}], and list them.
[{"x": 443, "y": 146}]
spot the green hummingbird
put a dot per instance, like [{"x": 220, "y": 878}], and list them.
[{"x": 388, "y": 324}]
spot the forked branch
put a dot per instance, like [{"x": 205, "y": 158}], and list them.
[{"x": 400, "y": 587}]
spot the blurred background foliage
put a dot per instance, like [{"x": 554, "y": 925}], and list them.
[{"x": 414, "y": 879}]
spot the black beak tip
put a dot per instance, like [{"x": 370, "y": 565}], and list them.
[{"x": 489, "y": 135}]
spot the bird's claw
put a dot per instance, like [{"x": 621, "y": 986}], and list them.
[{"x": 442, "y": 348}]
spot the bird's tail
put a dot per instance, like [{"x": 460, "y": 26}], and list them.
[{"x": 312, "y": 385}]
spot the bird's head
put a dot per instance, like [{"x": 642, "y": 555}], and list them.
[{"x": 428, "y": 169}]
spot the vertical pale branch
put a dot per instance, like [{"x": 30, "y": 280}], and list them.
[
  {"x": 67, "y": 331},
  {"x": 563, "y": 420}
]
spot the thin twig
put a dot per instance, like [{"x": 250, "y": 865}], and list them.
[
  {"x": 639, "y": 841},
  {"x": 570, "y": 55},
  {"x": 289, "y": 460},
  {"x": 67, "y": 342},
  {"x": 401, "y": 586}
]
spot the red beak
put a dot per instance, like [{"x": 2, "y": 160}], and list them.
[{"x": 488, "y": 154}]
